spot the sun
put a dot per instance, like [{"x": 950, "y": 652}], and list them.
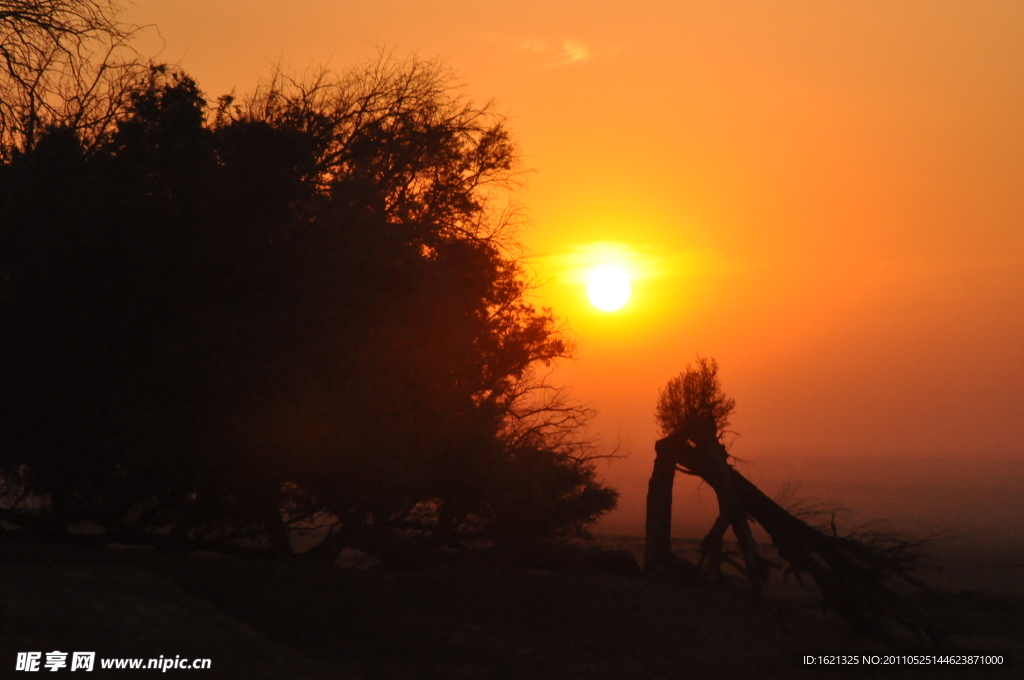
[{"x": 608, "y": 287}]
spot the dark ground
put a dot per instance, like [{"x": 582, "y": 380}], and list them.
[{"x": 297, "y": 619}]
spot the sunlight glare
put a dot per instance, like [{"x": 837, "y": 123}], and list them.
[{"x": 608, "y": 288}]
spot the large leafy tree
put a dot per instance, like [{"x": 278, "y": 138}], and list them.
[{"x": 301, "y": 305}]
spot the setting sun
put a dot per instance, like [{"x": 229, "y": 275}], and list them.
[{"x": 608, "y": 288}]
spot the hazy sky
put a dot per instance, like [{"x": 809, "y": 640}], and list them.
[{"x": 828, "y": 197}]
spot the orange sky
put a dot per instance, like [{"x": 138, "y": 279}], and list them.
[{"x": 828, "y": 197}]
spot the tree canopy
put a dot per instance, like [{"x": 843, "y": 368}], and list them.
[
  {"x": 229, "y": 319},
  {"x": 694, "y": 396}
]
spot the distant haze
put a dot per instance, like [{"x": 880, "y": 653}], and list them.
[{"x": 963, "y": 507}]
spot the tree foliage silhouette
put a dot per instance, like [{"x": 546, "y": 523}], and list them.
[
  {"x": 232, "y": 319},
  {"x": 695, "y": 395}
]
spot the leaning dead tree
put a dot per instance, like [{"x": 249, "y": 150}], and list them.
[{"x": 864, "y": 579}]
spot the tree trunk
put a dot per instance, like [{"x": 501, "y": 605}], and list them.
[
  {"x": 658, "y": 543},
  {"x": 705, "y": 456}
]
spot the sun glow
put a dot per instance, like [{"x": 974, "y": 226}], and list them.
[
  {"x": 608, "y": 287},
  {"x": 603, "y": 281}
]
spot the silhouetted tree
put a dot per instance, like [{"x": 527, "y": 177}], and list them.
[
  {"x": 859, "y": 576},
  {"x": 695, "y": 395},
  {"x": 694, "y": 407},
  {"x": 436, "y": 392},
  {"x": 228, "y": 320}
]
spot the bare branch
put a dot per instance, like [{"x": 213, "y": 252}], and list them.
[{"x": 63, "y": 63}]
